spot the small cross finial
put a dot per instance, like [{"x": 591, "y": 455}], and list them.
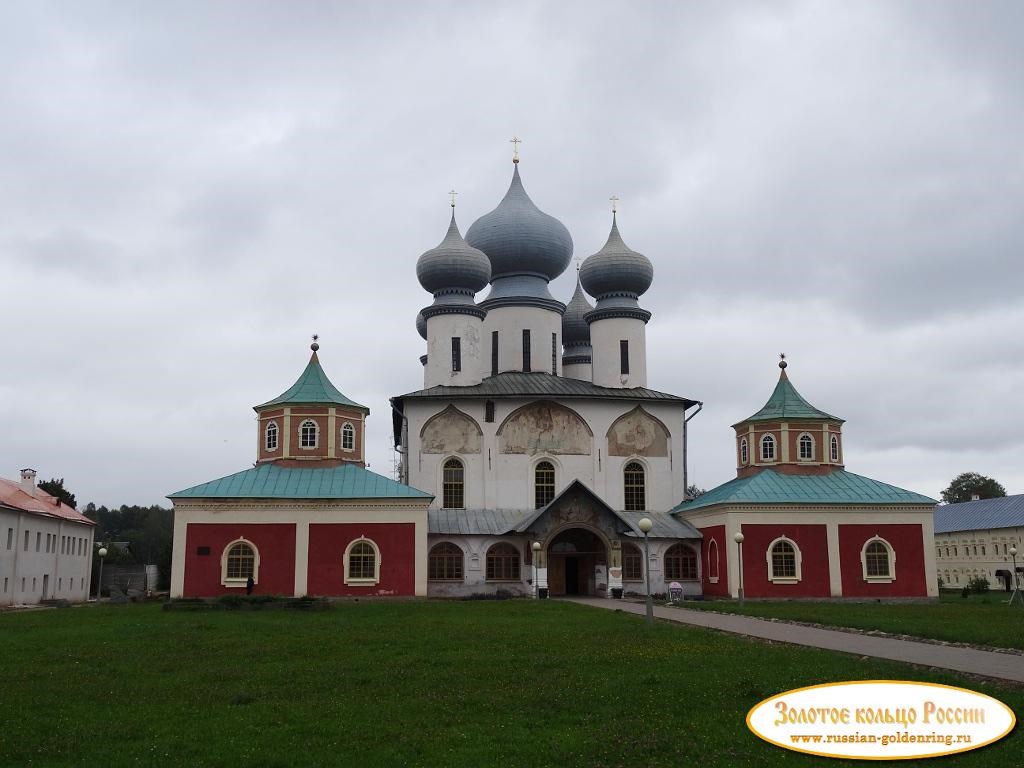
[
  {"x": 615, "y": 203},
  {"x": 515, "y": 141},
  {"x": 782, "y": 361},
  {"x": 579, "y": 264},
  {"x": 452, "y": 193},
  {"x": 314, "y": 346}
]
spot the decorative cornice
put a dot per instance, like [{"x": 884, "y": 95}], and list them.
[
  {"x": 603, "y": 314},
  {"x": 523, "y": 301},
  {"x": 454, "y": 309}
]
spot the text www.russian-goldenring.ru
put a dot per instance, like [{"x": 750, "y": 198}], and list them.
[{"x": 884, "y": 740}]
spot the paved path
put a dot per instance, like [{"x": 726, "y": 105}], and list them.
[{"x": 1006, "y": 666}]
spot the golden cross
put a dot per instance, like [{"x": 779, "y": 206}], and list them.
[
  {"x": 515, "y": 141},
  {"x": 615, "y": 200},
  {"x": 452, "y": 193}
]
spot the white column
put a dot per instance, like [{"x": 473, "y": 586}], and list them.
[
  {"x": 835, "y": 572},
  {"x": 301, "y": 558}
]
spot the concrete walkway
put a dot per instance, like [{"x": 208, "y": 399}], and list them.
[{"x": 1005, "y": 666}]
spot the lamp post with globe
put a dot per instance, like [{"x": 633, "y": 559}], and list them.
[
  {"x": 536, "y": 546},
  {"x": 738, "y": 538},
  {"x": 1015, "y": 596},
  {"x": 102, "y": 553},
  {"x": 645, "y": 526}
]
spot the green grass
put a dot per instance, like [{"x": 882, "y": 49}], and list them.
[
  {"x": 514, "y": 683},
  {"x": 978, "y": 619}
]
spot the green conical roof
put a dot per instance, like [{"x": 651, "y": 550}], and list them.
[
  {"x": 312, "y": 388},
  {"x": 786, "y": 403}
]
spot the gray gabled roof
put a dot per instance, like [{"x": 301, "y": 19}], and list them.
[
  {"x": 494, "y": 522},
  {"x": 1004, "y": 512}
]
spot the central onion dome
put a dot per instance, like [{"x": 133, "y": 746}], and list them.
[
  {"x": 616, "y": 270},
  {"x": 453, "y": 271},
  {"x": 522, "y": 243}
]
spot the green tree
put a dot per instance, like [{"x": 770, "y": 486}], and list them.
[
  {"x": 56, "y": 489},
  {"x": 967, "y": 485},
  {"x": 692, "y": 491}
]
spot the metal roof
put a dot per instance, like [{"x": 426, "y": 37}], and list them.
[
  {"x": 1004, "y": 512},
  {"x": 270, "y": 481},
  {"x": 312, "y": 388},
  {"x": 14, "y": 496},
  {"x": 786, "y": 403},
  {"x": 474, "y": 521},
  {"x": 771, "y": 487}
]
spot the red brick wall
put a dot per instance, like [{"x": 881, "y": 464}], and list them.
[
  {"x": 908, "y": 543},
  {"x": 397, "y": 545},
  {"x": 716, "y": 533},
  {"x": 813, "y": 544},
  {"x": 275, "y": 543}
]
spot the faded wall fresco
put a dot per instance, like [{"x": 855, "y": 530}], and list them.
[
  {"x": 545, "y": 428},
  {"x": 637, "y": 433},
  {"x": 451, "y": 431}
]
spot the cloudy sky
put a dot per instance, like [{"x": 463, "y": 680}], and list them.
[{"x": 188, "y": 191}]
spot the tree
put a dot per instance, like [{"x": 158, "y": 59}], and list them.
[
  {"x": 692, "y": 491},
  {"x": 56, "y": 489},
  {"x": 967, "y": 485}
]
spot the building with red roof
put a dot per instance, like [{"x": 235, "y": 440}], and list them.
[{"x": 45, "y": 545}]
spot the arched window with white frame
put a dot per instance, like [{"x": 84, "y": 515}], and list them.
[
  {"x": 239, "y": 561},
  {"x": 308, "y": 434},
  {"x": 835, "y": 449},
  {"x": 453, "y": 484},
  {"x": 784, "y": 561},
  {"x": 270, "y": 436},
  {"x": 805, "y": 446},
  {"x": 348, "y": 437},
  {"x": 634, "y": 487},
  {"x": 362, "y": 562},
  {"x": 713, "y": 561},
  {"x": 878, "y": 561},
  {"x": 744, "y": 456},
  {"x": 767, "y": 448},
  {"x": 543, "y": 484}
]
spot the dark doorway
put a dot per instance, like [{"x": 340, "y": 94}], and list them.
[{"x": 572, "y": 575}]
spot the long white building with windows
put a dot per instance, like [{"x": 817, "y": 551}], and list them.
[{"x": 974, "y": 539}]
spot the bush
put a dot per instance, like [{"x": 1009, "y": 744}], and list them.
[{"x": 978, "y": 585}]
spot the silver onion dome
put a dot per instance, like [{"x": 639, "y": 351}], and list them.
[
  {"x": 453, "y": 266},
  {"x": 421, "y": 325},
  {"x": 575, "y": 330},
  {"x": 616, "y": 269},
  {"x": 520, "y": 239}
]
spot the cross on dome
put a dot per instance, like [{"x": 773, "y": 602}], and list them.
[
  {"x": 452, "y": 193},
  {"x": 515, "y": 141}
]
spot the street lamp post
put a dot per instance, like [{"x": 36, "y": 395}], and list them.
[
  {"x": 102, "y": 552},
  {"x": 536, "y": 584},
  {"x": 738, "y": 538},
  {"x": 645, "y": 526},
  {"x": 1015, "y": 596}
]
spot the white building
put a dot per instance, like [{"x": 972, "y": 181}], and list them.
[
  {"x": 535, "y": 425},
  {"x": 974, "y": 539},
  {"x": 45, "y": 546}
]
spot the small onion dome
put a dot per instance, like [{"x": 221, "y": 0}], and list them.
[
  {"x": 421, "y": 325},
  {"x": 616, "y": 269},
  {"x": 519, "y": 238},
  {"x": 453, "y": 266},
  {"x": 575, "y": 329}
]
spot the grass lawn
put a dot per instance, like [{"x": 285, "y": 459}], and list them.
[
  {"x": 978, "y": 619},
  {"x": 514, "y": 683}
]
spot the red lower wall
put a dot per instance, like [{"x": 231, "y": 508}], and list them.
[
  {"x": 813, "y": 543},
  {"x": 275, "y": 543},
  {"x": 397, "y": 545},
  {"x": 715, "y": 533},
  {"x": 908, "y": 543}
]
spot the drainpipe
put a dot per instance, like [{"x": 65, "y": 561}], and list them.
[{"x": 700, "y": 407}]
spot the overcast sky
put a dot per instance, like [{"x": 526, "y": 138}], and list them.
[{"x": 188, "y": 191}]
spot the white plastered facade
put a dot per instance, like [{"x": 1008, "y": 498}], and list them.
[{"x": 30, "y": 574}]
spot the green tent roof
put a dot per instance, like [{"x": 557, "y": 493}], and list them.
[
  {"x": 270, "y": 481},
  {"x": 313, "y": 387},
  {"x": 786, "y": 403},
  {"x": 837, "y": 487}
]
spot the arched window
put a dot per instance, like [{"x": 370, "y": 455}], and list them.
[
  {"x": 878, "y": 560},
  {"x": 444, "y": 563},
  {"x": 308, "y": 434},
  {"x": 767, "y": 448},
  {"x": 835, "y": 448},
  {"x": 680, "y": 563},
  {"x": 543, "y": 484},
  {"x": 632, "y": 563},
  {"x": 239, "y": 561},
  {"x": 503, "y": 563},
  {"x": 743, "y": 451},
  {"x": 784, "y": 561},
  {"x": 362, "y": 562},
  {"x": 271, "y": 436},
  {"x": 348, "y": 437},
  {"x": 806, "y": 446},
  {"x": 713, "y": 561},
  {"x": 633, "y": 482},
  {"x": 453, "y": 485}
]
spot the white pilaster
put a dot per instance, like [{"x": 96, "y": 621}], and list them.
[
  {"x": 835, "y": 572},
  {"x": 301, "y": 558}
]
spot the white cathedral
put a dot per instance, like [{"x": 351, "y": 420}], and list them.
[{"x": 535, "y": 428}]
